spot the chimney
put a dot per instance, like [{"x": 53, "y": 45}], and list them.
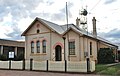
[
  {"x": 94, "y": 26},
  {"x": 77, "y": 21}
]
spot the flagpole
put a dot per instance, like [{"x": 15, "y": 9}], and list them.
[
  {"x": 67, "y": 30},
  {"x": 67, "y": 15}
]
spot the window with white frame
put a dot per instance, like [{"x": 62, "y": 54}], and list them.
[
  {"x": 72, "y": 48},
  {"x": 32, "y": 47},
  {"x": 44, "y": 46},
  {"x": 38, "y": 46}
]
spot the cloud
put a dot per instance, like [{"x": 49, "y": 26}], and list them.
[
  {"x": 109, "y": 1},
  {"x": 25, "y": 8},
  {"x": 112, "y": 35},
  {"x": 49, "y": 2},
  {"x": 15, "y": 34},
  {"x": 58, "y": 16},
  {"x": 18, "y": 9},
  {"x": 61, "y": 15}
]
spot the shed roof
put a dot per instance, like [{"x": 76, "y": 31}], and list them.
[{"x": 12, "y": 43}]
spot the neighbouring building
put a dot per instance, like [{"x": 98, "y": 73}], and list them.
[
  {"x": 45, "y": 40},
  {"x": 6, "y": 46}
]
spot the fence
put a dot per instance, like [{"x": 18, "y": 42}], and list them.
[{"x": 60, "y": 66}]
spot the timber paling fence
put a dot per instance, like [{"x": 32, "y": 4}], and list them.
[{"x": 58, "y": 66}]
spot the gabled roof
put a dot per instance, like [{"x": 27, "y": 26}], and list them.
[
  {"x": 50, "y": 25},
  {"x": 70, "y": 27},
  {"x": 79, "y": 30},
  {"x": 62, "y": 29},
  {"x": 53, "y": 26}
]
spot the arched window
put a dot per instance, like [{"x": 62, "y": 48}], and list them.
[
  {"x": 44, "y": 46},
  {"x": 38, "y": 31},
  {"x": 38, "y": 46},
  {"x": 32, "y": 47}
]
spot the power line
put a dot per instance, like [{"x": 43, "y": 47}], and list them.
[{"x": 95, "y": 5}]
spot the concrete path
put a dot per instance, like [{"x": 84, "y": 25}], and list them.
[
  {"x": 34, "y": 73},
  {"x": 113, "y": 64}
]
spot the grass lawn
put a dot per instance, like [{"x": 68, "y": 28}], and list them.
[{"x": 108, "y": 70}]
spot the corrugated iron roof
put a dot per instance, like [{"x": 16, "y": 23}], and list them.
[
  {"x": 12, "y": 43},
  {"x": 86, "y": 33},
  {"x": 54, "y": 26},
  {"x": 61, "y": 29}
]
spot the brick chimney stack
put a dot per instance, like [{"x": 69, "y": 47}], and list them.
[
  {"x": 77, "y": 22},
  {"x": 94, "y": 27}
]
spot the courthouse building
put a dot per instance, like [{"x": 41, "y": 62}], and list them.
[{"x": 45, "y": 40}]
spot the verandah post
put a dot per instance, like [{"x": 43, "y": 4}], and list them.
[
  {"x": 9, "y": 64},
  {"x": 88, "y": 65},
  {"x": 31, "y": 64},
  {"x": 47, "y": 66},
  {"x": 65, "y": 65},
  {"x": 23, "y": 68}
]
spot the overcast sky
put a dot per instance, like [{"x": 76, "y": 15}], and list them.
[{"x": 16, "y": 15}]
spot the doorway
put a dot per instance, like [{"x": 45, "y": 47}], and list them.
[{"x": 58, "y": 53}]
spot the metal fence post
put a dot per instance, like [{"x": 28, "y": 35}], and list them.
[
  {"x": 47, "y": 66},
  {"x": 9, "y": 64},
  {"x": 88, "y": 65},
  {"x": 31, "y": 64},
  {"x": 23, "y": 64},
  {"x": 65, "y": 65}
]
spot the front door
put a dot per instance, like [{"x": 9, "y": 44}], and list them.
[{"x": 58, "y": 54}]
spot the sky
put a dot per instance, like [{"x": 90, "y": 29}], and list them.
[{"x": 17, "y": 15}]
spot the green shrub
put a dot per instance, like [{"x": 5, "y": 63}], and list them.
[
  {"x": 3, "y": 57},
  {"x": 105, "y": 56},
  {"x": 119, "y": 57},
  {"x": 19, "y": 57}
]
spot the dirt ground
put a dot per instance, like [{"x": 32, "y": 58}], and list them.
[{"x": 34, "y": 73}]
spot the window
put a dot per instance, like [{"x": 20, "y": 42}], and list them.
[
  {"x": 5, "y": 50},
  {"x": 38, "y": 46},
  {"x": 44, "y": 46},
  {"x": 90, "y": 48},
  {"x": 72, "y": 48},
  {"x": 32, "y": 47},
  {"x": 38, "y": 31}
]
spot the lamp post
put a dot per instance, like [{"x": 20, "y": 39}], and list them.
[{"x": 64, "y": 47}]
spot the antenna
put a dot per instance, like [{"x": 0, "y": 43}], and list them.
[
  {"x": 83, "y": 24},
  {"x": 83, "y": 18},
  {"x": 67, "y": 29},
  {"x": 67, "y": 15}
]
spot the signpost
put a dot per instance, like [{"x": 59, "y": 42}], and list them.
[{"x": 11, "y": 55}]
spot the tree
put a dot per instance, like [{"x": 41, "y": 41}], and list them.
[{"x": 105, "y": 56}]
